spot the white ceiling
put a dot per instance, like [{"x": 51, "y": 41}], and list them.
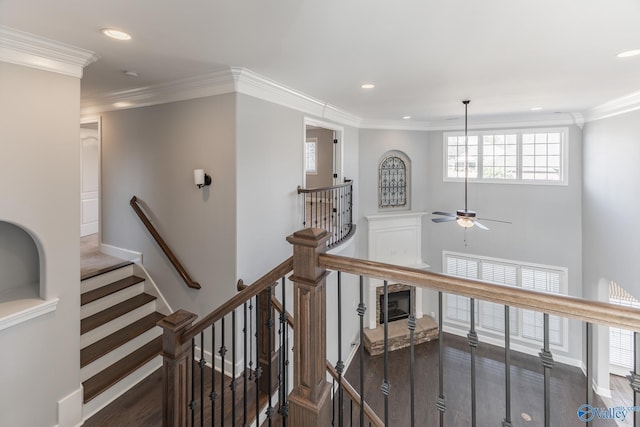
[{"x": 424, "y": 56}]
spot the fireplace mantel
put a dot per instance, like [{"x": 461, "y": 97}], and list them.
[{"x": 394, "y": 238}]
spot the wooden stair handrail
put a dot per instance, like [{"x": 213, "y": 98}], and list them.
[
  {"x": 562, "y": 305},
  {"x": 240, "y": 298},
  {"x": 351, "y": 391},
  {"x": 331, "y": 187},
  {"x": 163, "y": 245}
]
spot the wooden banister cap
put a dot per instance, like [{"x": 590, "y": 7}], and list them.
[
  {"x": 177, "y": 320},
  {"x": 312, "y": 237}
]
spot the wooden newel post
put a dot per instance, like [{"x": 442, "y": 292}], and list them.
[
  {"x": 176, "y": 369},
  {"x": 310, "y": 399}
]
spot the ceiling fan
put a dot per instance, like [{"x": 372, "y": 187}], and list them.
[{"x": 464, "y": 217}]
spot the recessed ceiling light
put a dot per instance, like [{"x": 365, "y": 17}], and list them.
[
  {"x": 629, "y": 53},
  {"x": 115, "y": 34},
  {"x": 406, "y": 117},
  {"x": 130, "y": 73},
  {"x": 536, "y": 108},
  {"x": 367, "y": 86},
  {"x": 122, "y": 104}
]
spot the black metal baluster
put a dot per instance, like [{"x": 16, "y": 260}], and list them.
[
  {"x": 284, "y": 407},
  {"x": 362, "y": 309},
  {"x": 233, "y": 367},
  {"x": 213, "y": 395},
  {"x": 202, "y": 364},
  {"x": 472, "y": 338},
  {"x": 411, "y": 323},
  {"x": 304, "y": 210},
  {"x": 386, "y": 387},
  {"x": 589, "y": 363},
  {"x": 269, "y": 352},
  {"x": 316, "y": 216},
  {"x": 506, "y": 422},
  {"x": 244, "y": 372},
  {"x": 333, "y": 403},
  {"x": 634, "y": 377},
  {"x": 340, "y": 364},
  {"x": 441, "y": 403},
  {"x": 192, "y": 404},
  {"x": 258, "y": 371},
  {"x": 222, "y": 352},
  {"x": 547, "y": 362}
]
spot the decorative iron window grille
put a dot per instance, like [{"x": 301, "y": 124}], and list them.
[{"x": 392, "y": 182}]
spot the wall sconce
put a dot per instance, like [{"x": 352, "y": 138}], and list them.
[{"x": 200, "y": 178}]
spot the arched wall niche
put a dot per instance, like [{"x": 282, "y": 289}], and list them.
[
  {"x": 20, "y": 264},
  {"x": 394, "y": 181}
]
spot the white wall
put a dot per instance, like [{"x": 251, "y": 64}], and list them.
[
  {"x": 39, "y": 190},
  {"x": 611, "y": 203}
]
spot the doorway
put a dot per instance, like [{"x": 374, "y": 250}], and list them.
[
  {"x": 323, "y": 154},
  {"x": 89, "y": 176}
]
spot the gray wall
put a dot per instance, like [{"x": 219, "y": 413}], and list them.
[
  {"x": 546, "y": 220},
  {"x": 19, "y": 259},
  {"x": 39, "y": 191},
  {"x": 151, "y": 153},
  {"x": 611, "y": 203},
  {"x": 373, "y": 145},
  {"x": 324, "y": 153},
  {"x": 235, "y": 229}
]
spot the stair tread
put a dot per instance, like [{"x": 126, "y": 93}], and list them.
[
  {"x": 94, "y": 273},
  {"x": 119, "y": 370},
  {"x": 109, "y": 289},
  {"x": 107, "y": 344},
  {"x": 111, "y": 313}
]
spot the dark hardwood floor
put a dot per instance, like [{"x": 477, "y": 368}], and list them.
[
  {"x": 141, "y": 406},
  {"x": 567, "y": 387}
]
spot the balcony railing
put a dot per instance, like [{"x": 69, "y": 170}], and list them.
[
  {"x": 330, "y": 208},
  {"x": 307, "y": 399}
]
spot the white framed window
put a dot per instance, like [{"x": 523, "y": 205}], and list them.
[
  {"x": 621, "y": 349},
  {"x": 520, "y": 156},
  {"x": 524, "y": 325},
  {"x": 310, "y": 156}
]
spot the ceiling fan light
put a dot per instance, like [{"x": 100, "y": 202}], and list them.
[{"x": 465, "y": 222}]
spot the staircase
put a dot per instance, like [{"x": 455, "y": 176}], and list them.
[{"x": 120, "y": 342}]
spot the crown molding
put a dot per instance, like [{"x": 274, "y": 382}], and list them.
[
  {"x": 211, "y": 84},
  {"x": 615, "y": 107},
  {"x": 29, "y": 50},
  {"x": 488, "y": 122},
  {"x": 258, "y": 86},
  {"x": 229, "y": 80}
]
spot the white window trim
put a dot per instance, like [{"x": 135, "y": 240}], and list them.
[
  {"x": 313, "y": 171},
  {"x": 493, "y": 336},
  {"x": 519, "y": 181}
]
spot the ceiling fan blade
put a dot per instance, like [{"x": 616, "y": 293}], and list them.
[
  {"x": 496, "y": 220},
  {"x": 444, "y": 219},
  {"x": 480, "y": 226},
  {"x": 444, "y": 214}
]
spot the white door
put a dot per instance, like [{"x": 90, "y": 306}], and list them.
[{"x": 89, "y": 182}]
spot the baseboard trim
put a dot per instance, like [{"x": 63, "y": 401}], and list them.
[
  {"x": 70, "y": 409},
  {"x": 126, "y": 254}
]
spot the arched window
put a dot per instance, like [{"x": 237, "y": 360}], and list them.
[{"x": 393, "y": 180}]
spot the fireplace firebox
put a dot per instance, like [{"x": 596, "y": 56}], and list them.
[{"x": 399, "y": 305}]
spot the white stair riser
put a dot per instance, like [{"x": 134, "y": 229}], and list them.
[
  {"x": 111, "y": 300},
  {"x": 112, "y": 393},
  {"x": 106, "y": 278},
  {"x": 118, "y": 353},
  {"x": 116, "y": 324}
]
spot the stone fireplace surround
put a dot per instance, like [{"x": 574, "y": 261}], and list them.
[{"x": 395, "y": 238}]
